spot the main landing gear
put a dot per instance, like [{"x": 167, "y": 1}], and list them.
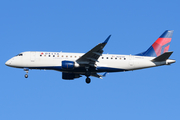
[
  {"x": 88, "y": 80},
  {"x": 26, "y": 70},
  {"x": 88, "y": 73}
]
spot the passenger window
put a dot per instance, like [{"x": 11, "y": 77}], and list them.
[
  {"x": 53, "y": 55},
  {"x": 49, "y": 55},
  {"x": 102, "y": 57},
  {"x": 124, "y": 58},
  {"x": 107, "y": 58},
  {"x": 40, "y": 55}
]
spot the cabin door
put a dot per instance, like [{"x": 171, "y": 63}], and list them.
[
  {"x": 131, "y": 60},
  {"x": 33, "y": 56}
]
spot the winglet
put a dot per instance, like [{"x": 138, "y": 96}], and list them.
[
  {"x": 104, "y": 75},
  {"x": 106, "y": 39}
]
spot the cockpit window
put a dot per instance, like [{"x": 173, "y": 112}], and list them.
[{"x": 19, "y": 55}]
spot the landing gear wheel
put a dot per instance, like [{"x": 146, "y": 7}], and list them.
[
  {"x": 26, "y": 75},
  {"x": 88, "y": 80}
]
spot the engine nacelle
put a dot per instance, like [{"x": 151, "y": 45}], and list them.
[
  {"x": 69, "y": 76},
  {"x": 69, "y": 65}
]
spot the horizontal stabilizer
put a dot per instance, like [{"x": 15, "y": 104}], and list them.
[{"x": 162, "y": 57}]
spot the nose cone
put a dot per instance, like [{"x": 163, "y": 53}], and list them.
[{"x": 8, "y": 63}]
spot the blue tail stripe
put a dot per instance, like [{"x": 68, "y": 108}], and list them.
[
  {"x": 159, "y": 45},
  {"x": 167, "y": 34},
  {"x": 149, "y": 52}
]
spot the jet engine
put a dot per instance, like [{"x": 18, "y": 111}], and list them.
[
  {"x": 69, "y": 65},
  {"x": 70, "y": 76}
]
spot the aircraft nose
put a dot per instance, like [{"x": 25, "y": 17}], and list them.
[{"x": 8, "y": 62}]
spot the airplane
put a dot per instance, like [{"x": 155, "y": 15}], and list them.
[{"x": 74, "y": 65}]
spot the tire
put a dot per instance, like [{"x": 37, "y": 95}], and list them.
[
  {"x": 26, "y": 76},
  {"x": 88, "y": 80}
]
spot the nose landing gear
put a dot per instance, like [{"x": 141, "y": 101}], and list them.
[
  {"x": 26, "y": 70},
  {"x": 26, "y": 75}
]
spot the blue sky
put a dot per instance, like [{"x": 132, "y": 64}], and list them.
[{"x": 77, "y": 26}]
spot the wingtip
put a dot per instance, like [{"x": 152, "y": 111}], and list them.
[
  {"x": 107, "y": 39},
  {"x": 104, "y": 74}
]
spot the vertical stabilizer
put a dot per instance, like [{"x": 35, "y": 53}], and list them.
[{"x": 160, "y": 46}]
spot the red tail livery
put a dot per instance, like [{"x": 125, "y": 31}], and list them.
[{"x": 160, "y": 46}]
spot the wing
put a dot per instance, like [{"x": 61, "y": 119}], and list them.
[{"x": 91, "y": 57}]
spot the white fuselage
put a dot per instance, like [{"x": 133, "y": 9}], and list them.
[
  {"x": 74, "y": 65},
  {"x": 105, "y": 63}
]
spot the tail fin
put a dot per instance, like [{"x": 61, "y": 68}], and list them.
[{"x": 160, "y": 46}]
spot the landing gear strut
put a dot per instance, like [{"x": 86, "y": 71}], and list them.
[
  {"x": 26, "y": 70},
  {"x": 88, "y": 73}
]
